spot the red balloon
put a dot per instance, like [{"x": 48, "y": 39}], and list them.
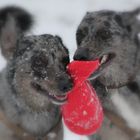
[{"x": 83, "y": 112}]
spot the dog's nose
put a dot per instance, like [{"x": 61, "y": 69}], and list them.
[
  {"x": 81, "y": 54},
  {"x": 64, "y": 84}
]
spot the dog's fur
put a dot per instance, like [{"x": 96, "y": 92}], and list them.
[
  {"x": 34, "y": 79},
  {"x": 109, "y": 32}
]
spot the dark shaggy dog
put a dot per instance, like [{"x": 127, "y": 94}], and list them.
[
  {"x": 35, "y": 79},
  {"x": 112, "y": 37}
]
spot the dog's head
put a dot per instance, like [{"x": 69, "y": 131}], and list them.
[
  {"x": 36, "y": 64},
  {"x": 39, "y": 70},
  {"x": 112, "y": 38}
]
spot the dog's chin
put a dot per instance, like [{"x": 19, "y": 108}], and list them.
[
  {"x": 112, "y": 84},
  {"x": 112, "y": 79},
  {"x": 108, "y": 75}
]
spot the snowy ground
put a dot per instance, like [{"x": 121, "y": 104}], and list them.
[{"x": 62, "y": 17}]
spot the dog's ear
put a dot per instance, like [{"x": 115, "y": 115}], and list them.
[
  {"x": 14, "y": 22},
  {"x": 129, "y": 21}
]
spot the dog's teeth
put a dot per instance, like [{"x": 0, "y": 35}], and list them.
[
  {"x": 104, "y": 58},
  {"x": 60, "y": 97}
]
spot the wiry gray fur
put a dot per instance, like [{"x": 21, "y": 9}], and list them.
[
  {"x": 109, "y": 32},
  {"x": 34, "y": 75}
]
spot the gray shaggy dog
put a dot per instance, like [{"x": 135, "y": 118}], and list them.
[
  {"x": 34, "y": 81},
  {"x": 112, "y": 37}
]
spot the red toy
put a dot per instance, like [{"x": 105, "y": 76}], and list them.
[{"x": 82, "y": 113}]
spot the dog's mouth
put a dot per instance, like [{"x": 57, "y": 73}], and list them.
[
  {"x": 104, "y": 60},
  {"x": 56, "y": 99}
]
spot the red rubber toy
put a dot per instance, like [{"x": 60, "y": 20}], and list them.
[{"x": 82, "y": 113}]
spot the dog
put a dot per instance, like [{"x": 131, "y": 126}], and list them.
[
  {"x": 34, "y": 82},
  {"x": 112, "y": 38}
]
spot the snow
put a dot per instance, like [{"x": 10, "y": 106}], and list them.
[{"x": 62, "y": 17}]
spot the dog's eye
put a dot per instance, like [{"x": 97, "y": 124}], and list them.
[
  {"x": 65, "y": 60},
  {"x": 81, "y": 34},
  {"x": 39, "y": 64},
  {"x": 39, "y": 61},
  {"x": 103, "y": 34}
]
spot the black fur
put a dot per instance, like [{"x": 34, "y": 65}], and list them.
[
  {"x": 118, "y": 19},
  {"x": 134, "y": 87}
]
